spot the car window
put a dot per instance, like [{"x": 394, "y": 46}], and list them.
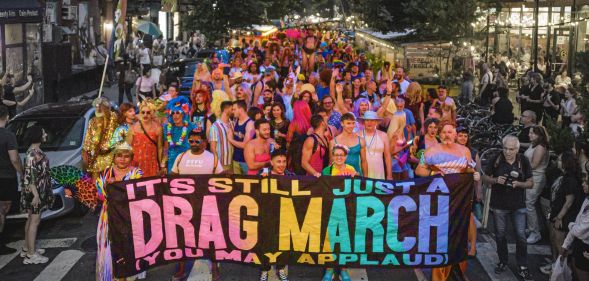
[
  {"x": 189, "y": 70},
  {"x": 63, "y": 133}
]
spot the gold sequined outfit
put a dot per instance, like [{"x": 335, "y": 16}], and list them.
[{"x": 97, "y": 143}]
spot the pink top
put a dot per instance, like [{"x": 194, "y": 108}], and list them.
[
  {"x": 316, "y": 160},
  {"x": 265, "y": 157}
]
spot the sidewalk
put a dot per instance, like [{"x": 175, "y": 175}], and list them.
[{"x": 112, "y": 93}]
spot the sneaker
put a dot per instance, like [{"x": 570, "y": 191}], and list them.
[
  {"x": 328, "y": 276},
  {"x": 500, "y": 267},
  {"x": 35, "y": 259},
  {"x": 345, "y": 275},
  {"x": 282, "y": 275},
  {"x": 546, "y": 269},
  {"x": 534, "y": 238},
  {"x": 524, "y": 273},
  {"x": 264, "y": 276},
  {"x": 23, "y": 252},
  {"x": 6, "y": 250}
]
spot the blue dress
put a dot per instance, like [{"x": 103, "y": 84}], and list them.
[
  {"x": 354, "y": 159},
  {"x": 174, "y": 151}
]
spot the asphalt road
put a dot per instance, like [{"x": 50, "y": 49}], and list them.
[{"x": 71, "y": 247}]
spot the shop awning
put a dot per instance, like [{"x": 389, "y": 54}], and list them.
[{"x": 21, "y": 11}]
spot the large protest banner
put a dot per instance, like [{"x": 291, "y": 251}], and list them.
[{"x": 327, "y": 221}]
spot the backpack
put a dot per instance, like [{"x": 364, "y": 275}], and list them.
[{"x": 296, "y": 153}]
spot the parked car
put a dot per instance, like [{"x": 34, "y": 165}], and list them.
[
  {"x": 65, "y": 125},
  {"x": 184, "y": 69}
]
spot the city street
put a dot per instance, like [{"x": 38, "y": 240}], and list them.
[
  {"x": 71, "y": 248},
  {"x": 360, "y": 135}
]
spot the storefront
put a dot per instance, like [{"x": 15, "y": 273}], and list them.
[
  {"x": 562, "y": 29},
  {"x": 20, "y": 42}
]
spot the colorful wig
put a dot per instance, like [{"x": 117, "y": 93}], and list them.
[{"x": 179, "y": 104}]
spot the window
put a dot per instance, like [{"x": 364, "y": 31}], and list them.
[
  {"x": 64, "y": 133},
  {"x": 34, "y": 49},
  {"x": 13, "y": 34},
  {"x": 14, "y": 62}
]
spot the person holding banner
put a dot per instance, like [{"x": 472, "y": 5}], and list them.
[
  {"x": 278, "y": 168},
  {"x": 339, "y": 154},
  {"x": 119, "y": 170},
  {"x": 447, "y": 157},
  {"x": 196, "y": 161},
  {"x": 357, "y": 145}
]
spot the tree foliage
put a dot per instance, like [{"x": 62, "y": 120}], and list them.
[
  {"x": 214, "y": 18},
  {"x": 215, "y": 21},
  {"x": 432, "y": 19}
]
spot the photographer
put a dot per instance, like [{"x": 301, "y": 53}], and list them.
[{"x": 509, "y": 177}]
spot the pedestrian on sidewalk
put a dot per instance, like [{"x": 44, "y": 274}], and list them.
[
  {"x": 538, "y": 156},
  {"x": 127, "y": 78},
  {"x": 565, "y": 199},
  {"x": 577, "y": 240},
  {"x": 36, "y": 194},
  {"x": 145, "y": 86},
  {"x": 9, "y": 165},
  {"x": 510, "y": 176}
]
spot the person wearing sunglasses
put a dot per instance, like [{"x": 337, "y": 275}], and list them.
[
  {"x": 196, "y": 161},
  {"x": 146, "y": 138}
]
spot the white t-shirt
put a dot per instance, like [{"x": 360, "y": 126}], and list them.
[
  {"x": 404, "y": 86},
  {"x": 144, "y": 56},
  {"x": 145, "y": 84},
  {"x": 190, "y": 164}
]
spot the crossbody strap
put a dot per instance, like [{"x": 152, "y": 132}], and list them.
[{"x": 151, "y": 140}]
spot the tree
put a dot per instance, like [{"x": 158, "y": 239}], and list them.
[
  {"x": 214, "y": 18},
  {"x": 431, "y": 19}
]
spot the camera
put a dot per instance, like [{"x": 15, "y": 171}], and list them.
[{"x": 512, "y": 176}]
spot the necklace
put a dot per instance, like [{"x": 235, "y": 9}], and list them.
[
  {"x": 117, "y": 171},
  {"x": 369, "y": 144},
  {"x": 182, "y": 136}
]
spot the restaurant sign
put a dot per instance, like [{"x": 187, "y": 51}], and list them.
[{"x": 20, "y": 14}]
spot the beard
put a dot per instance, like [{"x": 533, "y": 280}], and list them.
[{"x": 447, "y": 141}]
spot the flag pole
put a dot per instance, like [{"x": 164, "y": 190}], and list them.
[{"x": 103, "y": 75}]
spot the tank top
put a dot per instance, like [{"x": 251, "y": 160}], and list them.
[
  {"x": 259, "y": 158},
  {"x": 239, "y": 135},
  {"x": 421, "y": 146},
  {"x": 541, "y": 169},
  {"x": 354, "y": 158},
  {"x": 319, "y": 154}
]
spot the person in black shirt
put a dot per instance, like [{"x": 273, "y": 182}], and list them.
[
  {"x": 10, "y": 165},
  {"x": 534, "y": 99},
  {"x": 509, "y": 176},
  {"x": 528, "y": 119},
  {"x": 551, "y": 103},
  {"x": 524, "y": 91},
  {"x": 10, "y": 91},
  {"x": 502, "y": 108}
]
